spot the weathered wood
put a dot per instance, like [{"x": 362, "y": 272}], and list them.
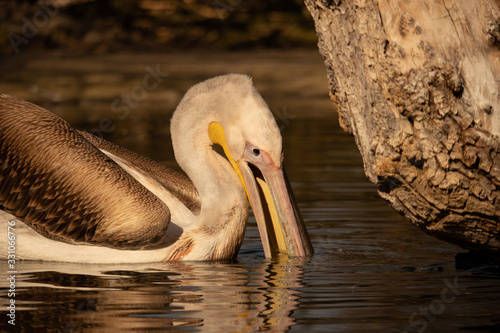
[{"x": 417, "y": 83}]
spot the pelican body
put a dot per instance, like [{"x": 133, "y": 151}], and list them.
[{"x": 71, "y": 196}]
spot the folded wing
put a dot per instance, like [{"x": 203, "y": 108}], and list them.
[{"x": 66, "y": 189}]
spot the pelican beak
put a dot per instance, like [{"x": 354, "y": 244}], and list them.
[{"x": 280, "y": 225}]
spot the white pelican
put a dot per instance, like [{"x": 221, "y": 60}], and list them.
[{"x": 71, "y": 196}]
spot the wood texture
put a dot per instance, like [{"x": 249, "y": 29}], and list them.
[{"x": 417, "y": 83}]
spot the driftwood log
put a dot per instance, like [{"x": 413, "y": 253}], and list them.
[{"x": 417, "y": 83}]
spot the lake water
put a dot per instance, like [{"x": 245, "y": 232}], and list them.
[{"x": 373, "y": 271}]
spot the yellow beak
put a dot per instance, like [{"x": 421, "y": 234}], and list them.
[{"x": 281, "y": 227}]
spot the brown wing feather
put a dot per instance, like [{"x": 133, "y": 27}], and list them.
[
  {"x": 175, "y": 182},
  {"x": 66, "y": 189}
]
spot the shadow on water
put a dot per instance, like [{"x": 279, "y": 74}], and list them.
[{"x": 372, "y": 272}]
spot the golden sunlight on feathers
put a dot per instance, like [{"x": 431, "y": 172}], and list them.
[{"x": 76, "y": 197}]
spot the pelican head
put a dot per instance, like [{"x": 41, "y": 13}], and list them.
[{"x": 227, "y": 111}]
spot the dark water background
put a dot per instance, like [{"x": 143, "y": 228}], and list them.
[{"x": 372, "y": 272}]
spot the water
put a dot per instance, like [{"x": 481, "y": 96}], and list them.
[{"x": 372, "y": 272}]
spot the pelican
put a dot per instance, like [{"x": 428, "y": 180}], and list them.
[{"x": 70, "y": 196}]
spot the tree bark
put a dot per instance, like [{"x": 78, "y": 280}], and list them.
[{"x": 417, "y": 83}]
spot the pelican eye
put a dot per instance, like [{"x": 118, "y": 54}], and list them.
[{"x": 256, "y": 151}]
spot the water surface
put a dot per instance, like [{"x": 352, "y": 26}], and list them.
[{"x": 372, "y": 272}]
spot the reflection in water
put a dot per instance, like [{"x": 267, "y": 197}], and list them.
[
  {"x": 221, "y": 297},
  {"x": 372, "y": 270},
  {"x": 275, "y": 300}
]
